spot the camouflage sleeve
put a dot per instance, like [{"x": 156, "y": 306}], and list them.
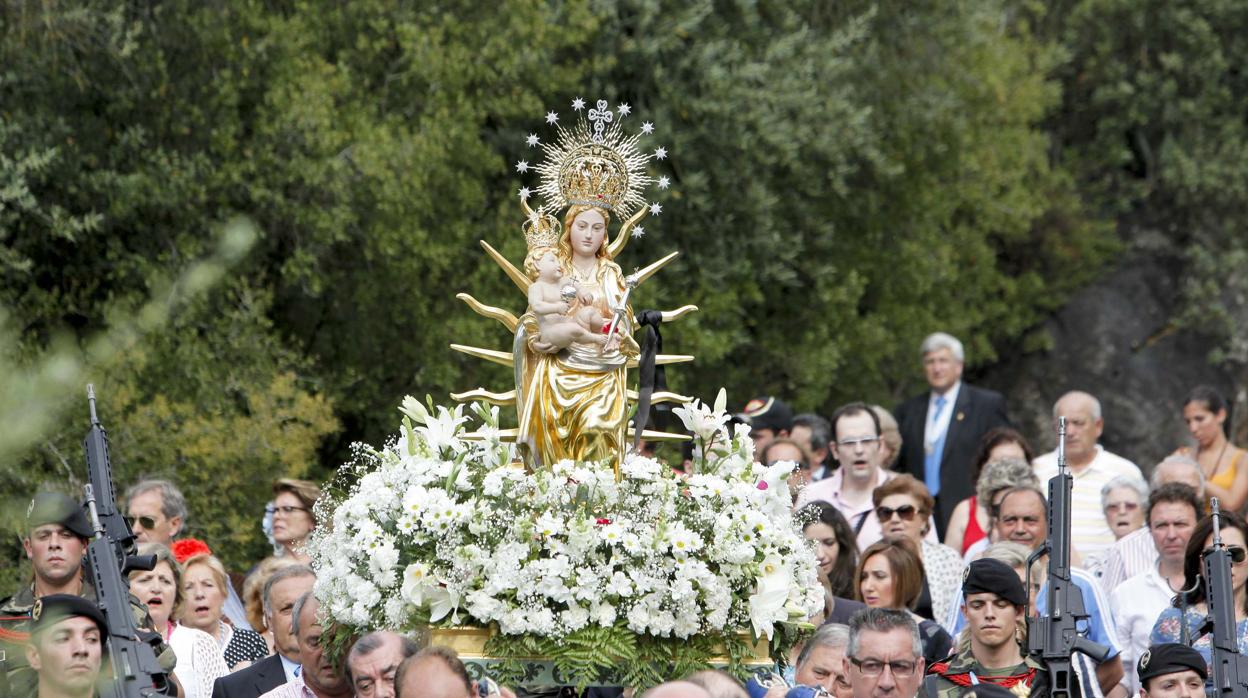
[{"x": 164, "y": 653}]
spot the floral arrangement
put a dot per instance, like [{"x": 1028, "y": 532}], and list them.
[{"x": 440, "y": 529}]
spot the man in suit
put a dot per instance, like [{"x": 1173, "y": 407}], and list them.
[
  {"x": 941, "y": 429},
  {"x": 279, "y": 595}
]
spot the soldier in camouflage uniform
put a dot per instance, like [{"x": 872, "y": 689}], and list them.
[
  {"x": 990, "y": 649},
  {"x": 57, "y": 533}
]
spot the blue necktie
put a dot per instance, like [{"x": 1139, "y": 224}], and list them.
[{"x": 931, "y": 458}]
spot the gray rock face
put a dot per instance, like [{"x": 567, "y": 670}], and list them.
[{"x": 1115, "y": 340}]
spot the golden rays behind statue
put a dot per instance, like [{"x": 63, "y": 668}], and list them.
[{"x": 575, "y": 342}]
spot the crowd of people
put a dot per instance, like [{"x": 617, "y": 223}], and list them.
[{"x": 924, "y": 528}]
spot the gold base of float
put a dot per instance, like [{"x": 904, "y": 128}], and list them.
[{"x": 470, "y": 644}]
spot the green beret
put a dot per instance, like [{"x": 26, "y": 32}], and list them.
[{"x": 56, "y": 508}]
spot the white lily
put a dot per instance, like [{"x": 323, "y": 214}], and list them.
[
  {"x": 443, "y": 602},
  {"x": 702, "y": 420},
  {"x": 767, "y": 605},
  {"x": 415, "y": 409},
  {"x": 415, "y": 583}
]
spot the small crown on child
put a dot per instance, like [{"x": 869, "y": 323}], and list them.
[{"x": 542, "y": 230}]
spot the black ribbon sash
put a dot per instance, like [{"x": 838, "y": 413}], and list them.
[{"x": 650, "y": 376}]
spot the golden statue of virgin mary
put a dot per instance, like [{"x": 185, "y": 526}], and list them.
[{"x": 574, "y": 343}]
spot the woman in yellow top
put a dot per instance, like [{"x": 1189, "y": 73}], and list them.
[{"x": 1226, "y": 473}]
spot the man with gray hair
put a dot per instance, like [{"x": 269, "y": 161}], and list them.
[
  {"x": 157, "y": 511},
  {"x": 1092, "y": 468},
  {"x": 822, "y": 660},
  {"x": 278, "y": 597},
  {"x": 1135, "y": 553},
  {"x": 318, "y": 677},
  {"x": 885, "y": 657},
  {"x": 373, "y": 661},
  {"x": 941, "y": 428}
]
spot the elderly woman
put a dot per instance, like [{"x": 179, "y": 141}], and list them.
[
  {"x": 999, "y": 477},
  {"x": 890, "y": 437},
  {"x": 200, "y": 661},
  {"x": 969, "y": 522},
  {"x": 890, "y": 575},
  {"x": 1122, "y": 500},
  {"x": 204, "y": 588},
  {"x": 904, "y": 507},
  {"x": 292, "y": 516}
]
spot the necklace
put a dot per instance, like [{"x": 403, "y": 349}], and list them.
[{"x": 1217, "y": 464}]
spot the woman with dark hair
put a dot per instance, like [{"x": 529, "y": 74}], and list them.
[
  {"x": 890, "y": 575},
  {"x": 836, "y": 551},
  {"x": 1193, "y": 606},
  {"x": 904, "y": 508},
  {"x": 1226, "y": 477},
  {"x": 964, "y": 530}
]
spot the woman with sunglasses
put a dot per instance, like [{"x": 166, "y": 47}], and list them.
[
  {"x": 890, "y": 575},
  {"x": 1193, "y": 607},
  {"x": 904, "y": 508}
]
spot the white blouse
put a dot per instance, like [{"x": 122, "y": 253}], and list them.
[{"x": 200, "y": 661}]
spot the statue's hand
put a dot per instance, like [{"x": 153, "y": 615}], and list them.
[
  {"x": 586, "y": 297},
  {"x": 543, "y": 347},
  {"x": 613, "y": 344}
]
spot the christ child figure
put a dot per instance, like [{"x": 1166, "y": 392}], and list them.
[{"x": 559, "y": 326}]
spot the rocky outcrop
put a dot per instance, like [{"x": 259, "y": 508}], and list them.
[{"x": 1117, "y": 340}]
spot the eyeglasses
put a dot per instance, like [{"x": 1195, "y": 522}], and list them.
[
  {"x": 1238, "y": 554},
  {"x": 146, "y": 523},
  {"x": 285, "y": 509},
  {"x": 1122, "y": 506},
  {"x": 874, "y": 667},
  {"x": 864, "y": 440},
  {"x": 904, "y": 512}
]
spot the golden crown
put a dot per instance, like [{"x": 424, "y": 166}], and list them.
[
  {"x": 593, "y": 162},
  {"x": 541, "y": 230}
]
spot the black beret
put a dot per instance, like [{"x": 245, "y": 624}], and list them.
[
  {"x": 56, "y": 508},
  {"x": 995, "y": 577},
  {"x": 1170, "y": 658},
  {"x": 54, "y": 608}
]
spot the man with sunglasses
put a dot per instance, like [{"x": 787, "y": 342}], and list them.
[
  {"x": 885, "y": 657},
  {"x": 57, "y": 534},
  {"x": 994, "y": 606}
]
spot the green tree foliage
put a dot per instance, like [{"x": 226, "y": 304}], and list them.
[
  {"x": 1151, "y": 125},
  {"x": 846, "y": 178}
]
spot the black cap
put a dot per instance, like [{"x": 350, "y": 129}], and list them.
[
  {"x": 56, "y": 508},
  {"x": 54, "y": 608},
  {"x": 767, "y": 413},
  {"x": 994, "y": 577},
  {"x": 1170, "y": 658}
]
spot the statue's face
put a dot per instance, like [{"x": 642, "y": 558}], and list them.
[{"x": 589, "y": 229}]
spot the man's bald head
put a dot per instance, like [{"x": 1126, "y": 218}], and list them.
[
  {"x": 434, "y": 672},
  {"x": 677, "y": 689},
  {"x": 719, "y": 683}
]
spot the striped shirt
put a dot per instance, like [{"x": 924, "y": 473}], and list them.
[
  {"x": 1089, "y": 533},
  {"x": 1131, "y": 555}
]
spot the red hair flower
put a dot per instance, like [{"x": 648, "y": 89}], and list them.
[{"x": 188, "y": 548}]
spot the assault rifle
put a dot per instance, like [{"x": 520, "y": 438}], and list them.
[
  {"x": 1230, "y": 668},
  {"x": 135, "y": 670},
  {"x": 1053, "y": 636}
]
